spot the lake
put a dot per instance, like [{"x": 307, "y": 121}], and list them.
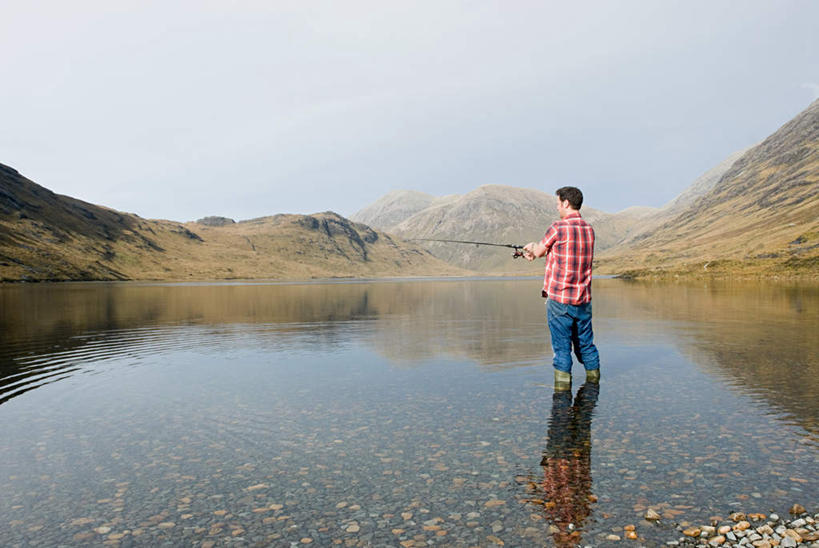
[{"x": 399, "y": 412}]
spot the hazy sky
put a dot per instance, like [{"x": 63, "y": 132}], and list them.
[{"x": 179, "y": 110}]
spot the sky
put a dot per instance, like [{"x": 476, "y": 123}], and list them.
[{"x": 180, "y": 110}]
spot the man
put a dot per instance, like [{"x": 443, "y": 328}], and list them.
[{"x": 569, "y": 246}]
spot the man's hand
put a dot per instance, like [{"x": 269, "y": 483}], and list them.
[{"x": 533, "y": 250}]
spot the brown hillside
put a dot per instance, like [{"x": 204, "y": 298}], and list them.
[
  {"x": 762, "y": 214},
  {"x": 45, "y": 236}
]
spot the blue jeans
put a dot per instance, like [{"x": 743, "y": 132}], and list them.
[{"x": 571, "y": 326}]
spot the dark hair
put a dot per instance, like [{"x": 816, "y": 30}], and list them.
[{"x": 572, "y": 194}]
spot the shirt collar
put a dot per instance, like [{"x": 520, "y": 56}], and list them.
[{"x": 572, "y": 215}]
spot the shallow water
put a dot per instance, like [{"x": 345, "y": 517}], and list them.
[{"x": 384, "y": 412}]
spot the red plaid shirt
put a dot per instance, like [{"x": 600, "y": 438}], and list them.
[{"x": 570, "y": 250}]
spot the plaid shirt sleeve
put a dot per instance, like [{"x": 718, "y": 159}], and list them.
[{"x": 549, "y": 238}]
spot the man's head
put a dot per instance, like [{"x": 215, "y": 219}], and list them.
[{"x": 569, "y": 200}]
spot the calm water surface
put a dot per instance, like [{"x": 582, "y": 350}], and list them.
[{"x": 414, "y": 412}]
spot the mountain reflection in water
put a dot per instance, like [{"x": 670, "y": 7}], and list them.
[
  {"x": 760, "y": 338},
  {"x": 330, "y": 411}
]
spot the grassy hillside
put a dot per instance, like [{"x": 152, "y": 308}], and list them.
[
  {"x": 45, "y": 236},
  {"x": 762, "y": 216}
]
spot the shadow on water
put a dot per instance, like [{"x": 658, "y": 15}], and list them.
[{"x": 565, "y": 490}]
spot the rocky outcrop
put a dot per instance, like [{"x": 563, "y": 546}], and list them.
[{"x": 215, "y": 221}]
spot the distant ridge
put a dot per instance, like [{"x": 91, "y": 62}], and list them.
[
  {"x": 395, "y": 207},
  {"x": 493, "y": 213}
]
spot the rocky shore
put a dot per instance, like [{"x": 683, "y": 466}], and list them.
[{"x": 753, "y": 530}]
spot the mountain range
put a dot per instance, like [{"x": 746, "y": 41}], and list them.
[{"x": 756, "y": 211}]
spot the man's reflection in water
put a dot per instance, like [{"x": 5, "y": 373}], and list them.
[{"x": 567, "y": 463}]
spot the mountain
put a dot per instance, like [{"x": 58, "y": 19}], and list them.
[
  {"x": 762, "y": 214},
  {"x": 395, "y": 207},
  {"x": 490, "y": 213},
  {"x": 46, "y": 236},
  {"x": 637, "y": 222},
  {"x": 507, "y": 214}
]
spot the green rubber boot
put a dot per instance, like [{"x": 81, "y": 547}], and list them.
[
  {"x": 563, "y": 381},
  {"x": 593, "y": 375}
]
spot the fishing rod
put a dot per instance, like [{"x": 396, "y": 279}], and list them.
[{"x": 518, "y": 248}]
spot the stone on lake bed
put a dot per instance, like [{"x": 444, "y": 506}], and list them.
[
  {"x": 790, "y": 533},
  {"x": 797, "y": 509},
  {"x": 612, "y": 537},
  {"x": 736, "y": 516},
  {"x": 166, "y": 525},
  {"x": 692, "y": 532},
  {"x": 724, "y": 529},
  {"x": 632, "y": 535},
  {"x": 716, "y": 541},
  {"x": 102, "y": 530},
  {"x": 494, "y": 502},
  {"x": 629, "y": 528},
  {"x": 406, "y": 515},
  {"x": 354, "y": 528},
  {"x": 651, "y": 515},
  {"x": 741, "y": 526}
]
